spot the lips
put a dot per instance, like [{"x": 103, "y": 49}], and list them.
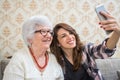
[
  {"x": 46, "y": 40},
  {"x": 70, "y": 42}
]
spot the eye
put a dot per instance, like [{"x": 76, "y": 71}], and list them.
[
  {"x": 43, "y": 31},
  {"x": 70, "y": 32},
  {"x": 62, "y": 36}
]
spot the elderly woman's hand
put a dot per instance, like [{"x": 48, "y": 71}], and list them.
[{"x": 110, "y": 23}]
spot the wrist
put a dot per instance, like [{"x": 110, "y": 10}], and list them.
[{"x": 117, "y": 31}]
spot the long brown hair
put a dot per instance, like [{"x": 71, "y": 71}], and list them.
[{"x": 58, "y": 52}]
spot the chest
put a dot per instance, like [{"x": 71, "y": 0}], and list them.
[{"x": 80, "y": 74}]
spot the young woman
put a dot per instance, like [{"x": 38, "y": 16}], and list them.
[{"x": 78, "y": 60}]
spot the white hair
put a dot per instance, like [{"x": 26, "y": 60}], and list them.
[{"x": 29, "y": 27}]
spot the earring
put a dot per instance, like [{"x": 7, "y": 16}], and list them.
[{"x": 58, "y": 45}]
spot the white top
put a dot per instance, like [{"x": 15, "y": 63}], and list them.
[{"x": 22, "y": 67}]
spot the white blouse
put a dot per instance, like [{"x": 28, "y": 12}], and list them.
[{"x": 22, "y": 67}]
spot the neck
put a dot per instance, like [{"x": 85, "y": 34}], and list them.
[
  {"x": 41, "y": 62},
  {"x": 68, "y": 52},
  {"x": 38, "y": 52},
  {"x": 69, "y": 55}
]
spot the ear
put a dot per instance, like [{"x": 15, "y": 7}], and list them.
[{"x": 30, "y": 41}]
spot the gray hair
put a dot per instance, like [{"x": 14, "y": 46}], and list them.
[{"x": 29, "y": 27}]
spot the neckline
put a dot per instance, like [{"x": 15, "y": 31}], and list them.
[{"x": 40, "y": 67}]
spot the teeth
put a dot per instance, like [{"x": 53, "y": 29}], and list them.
[
  {"x": 70, "y": 42},
  {"x": 46, "y": 40}
]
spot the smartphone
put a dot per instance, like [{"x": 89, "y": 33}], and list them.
[
  {"x": 98, "y": 9},
  {"x": 101, "y": 17}
]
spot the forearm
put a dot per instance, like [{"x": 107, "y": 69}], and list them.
[
  {"x": 118, "y": 30},
  {"x": 112, "y": 41},
  {"x": 111, "y": 24}
]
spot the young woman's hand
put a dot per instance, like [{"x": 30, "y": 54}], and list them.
[{"x": 110, "y": 23}]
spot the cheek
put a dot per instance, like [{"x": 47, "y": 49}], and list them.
[
  {"x": 37, "y": 38},
  {"x": 51, "y": 38},
  {"x": 62, "y": 42}
]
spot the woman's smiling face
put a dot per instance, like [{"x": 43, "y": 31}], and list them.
[
  {"x": 66, "y": 39},
  {"x": 41, "y": 40}
]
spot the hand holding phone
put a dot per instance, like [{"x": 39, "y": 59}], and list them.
[{"x": 98, "y": 9}]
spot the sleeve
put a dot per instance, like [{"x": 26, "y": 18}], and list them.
[
  {"x": 14, "y": 70},
  {"x": 99, "y": 51}
]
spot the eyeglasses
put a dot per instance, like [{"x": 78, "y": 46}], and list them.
[{"x": 44, "y": 32}]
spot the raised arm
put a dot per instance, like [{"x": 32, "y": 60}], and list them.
[{"x": 111, "y": 24}]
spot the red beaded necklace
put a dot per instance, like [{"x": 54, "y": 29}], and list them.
[{"x": 40, "y": 67}]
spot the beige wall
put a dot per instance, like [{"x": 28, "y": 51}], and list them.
[{"x": 78, "y": 13}]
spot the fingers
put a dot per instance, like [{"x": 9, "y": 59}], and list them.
[
  {"x": 106, "y": 14},
  {"x": 109, "y": 27},
  {"x": 110, "y": 19},
  {"x": 105, "y": 22},
  {"x": 110, "y": 24}
]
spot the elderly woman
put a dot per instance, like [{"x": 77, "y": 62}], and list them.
[{"x": 35, "y": 62}]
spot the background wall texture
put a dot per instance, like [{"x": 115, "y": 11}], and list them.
[{"x": 78, "y": 13}]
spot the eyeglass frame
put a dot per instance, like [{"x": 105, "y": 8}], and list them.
[{"x": 44, "y": 32}]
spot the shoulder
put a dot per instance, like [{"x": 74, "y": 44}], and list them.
[
  {"x": 18, "y": 59},
  {"x": 52, "y": 56},
  {"x": 88, "y": 46},
  {"x": 53, "y": 59},
  {"x": 53, "y": 62},
  {"x": 19, "y": 56}
]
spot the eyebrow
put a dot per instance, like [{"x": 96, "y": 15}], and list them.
[{"x": 62, "y": 34}]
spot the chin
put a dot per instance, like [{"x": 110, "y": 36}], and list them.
[
  {"x": 46, "y": 47},
  {"x": 72, "y": 46}
]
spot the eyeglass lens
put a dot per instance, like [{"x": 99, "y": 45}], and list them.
[{"x": 44, "y": 32}]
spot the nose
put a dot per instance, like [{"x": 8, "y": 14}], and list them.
[{"x": 69, "y": 36}]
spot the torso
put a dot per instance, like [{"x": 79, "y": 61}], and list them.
[
  {"x": 22, "y": 65},
  {"x": 80, "y": 74}
]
